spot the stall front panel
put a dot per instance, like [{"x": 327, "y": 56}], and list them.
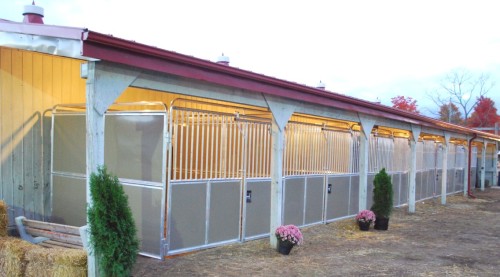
[{"x": 135, "y": 148}]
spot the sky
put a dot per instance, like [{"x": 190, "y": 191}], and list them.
[{"x": 373, "y": 50}]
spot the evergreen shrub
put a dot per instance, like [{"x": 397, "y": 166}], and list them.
[
  {"x": 382, "y": 194},
  {"x": 113, "y": 236}
]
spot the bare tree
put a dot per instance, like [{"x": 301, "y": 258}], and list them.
[{"x": 463, "y": 89}]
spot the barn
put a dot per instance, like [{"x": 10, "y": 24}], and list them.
[{"x": 208, "y": 154}]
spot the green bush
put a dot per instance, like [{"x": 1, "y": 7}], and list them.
[
  {"x": 382, "y": 194},
  {"x": 113, "y": 238}
]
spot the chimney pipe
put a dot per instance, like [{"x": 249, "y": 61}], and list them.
[{"x": 33, "y": 14}]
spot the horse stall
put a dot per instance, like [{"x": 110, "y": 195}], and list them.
[
  {"x": 198, "y": 173},
  {"x": 135, "y": 151}
]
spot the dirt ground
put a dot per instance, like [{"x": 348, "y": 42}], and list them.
[{"x": 461, "y": 238}]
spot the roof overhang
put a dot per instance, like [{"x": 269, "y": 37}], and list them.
[
  {"x": 47, "y": 39},
  {"x": 88, "y": 45}
]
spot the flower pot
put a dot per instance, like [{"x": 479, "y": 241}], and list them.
[
  {"x": 364, "y": 225},
  {"x": 381, "y": 223},
  {"x": 284, "y": 247}
]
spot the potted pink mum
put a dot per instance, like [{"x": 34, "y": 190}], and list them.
[
  {"x": 288, "y": 236},
  {"x": 364, "y": 219}
]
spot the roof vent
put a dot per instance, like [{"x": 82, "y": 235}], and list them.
[
  {"x": 223, "y": 59},
  {"x": 33, "y": 14},
  {"x": 321, "y": 85}
]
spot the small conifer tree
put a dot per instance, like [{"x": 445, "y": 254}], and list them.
[
  {"x": 113, "y": 236},
  {"x": 382, "y": 194}
]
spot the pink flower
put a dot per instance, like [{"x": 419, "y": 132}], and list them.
[
  {"x": 365, "y": 216},
  {"x": 289, "y": 233}
]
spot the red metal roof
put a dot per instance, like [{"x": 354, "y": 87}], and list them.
[{"x": 113, "y": 49}]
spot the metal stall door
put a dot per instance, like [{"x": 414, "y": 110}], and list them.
[
  {"x": 213, "y": 150},
  {"x": 135, "y": 151},
  {"x": 257, "y": 178},
  {"x": 341, "y": 169},
  {"x": 304, "y": 179}
]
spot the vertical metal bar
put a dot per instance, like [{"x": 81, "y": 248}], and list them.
[
  {"x": 180, "y": 144},
  {"x": 251, "y": 172},
  {"x": 202, "y": 151},
  {"x": 206, "y": 141},
  {"x": 239, "y": 149},
  {"x": 197, "y": 165},
  {"x": 217, "y": 142},
  {"x": 191, "y": 147},
  {"x": 211, "y": 145},
  {"x": 223, "y": 147},
  {"x": 230, "y": 147},
  {"x": 266, "y": 149}
]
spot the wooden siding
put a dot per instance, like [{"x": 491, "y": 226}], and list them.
[{"x": 30, "y": 85}]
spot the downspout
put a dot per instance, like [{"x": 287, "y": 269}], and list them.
[{"x": 469, "y": 192}]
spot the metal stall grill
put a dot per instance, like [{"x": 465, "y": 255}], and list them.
[
  {"x": 393, "y": 154},
  {"x": 320, "y": 172},
  {"x": 131, "y": 134},
  {"x": 219, "y": 175}
]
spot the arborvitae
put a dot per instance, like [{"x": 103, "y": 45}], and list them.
[
  {"x": 113, "y": 238},
  {"x": 382, "y": 194}
]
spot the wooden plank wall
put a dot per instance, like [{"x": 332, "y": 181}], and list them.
[{"x": 30, "y": 85}]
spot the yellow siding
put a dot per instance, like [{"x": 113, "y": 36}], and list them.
[{"x": 30, "y": 84}]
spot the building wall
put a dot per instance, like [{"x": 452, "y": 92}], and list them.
[{"x": 30, "y": 85}]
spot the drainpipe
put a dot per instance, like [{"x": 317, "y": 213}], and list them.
[{"x": 469, "y": 193}]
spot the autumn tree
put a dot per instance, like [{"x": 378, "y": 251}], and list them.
[
  {"x": 450, "y": 113},
  {"x": 462, "y": 88},
  {"x": 485, "y": 113},
  {"x": 404, "y": 103}
]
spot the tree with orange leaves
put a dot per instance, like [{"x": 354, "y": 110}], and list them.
[
  {"x": 485, "y": 113},
  {"x": 405, "y": 103}
]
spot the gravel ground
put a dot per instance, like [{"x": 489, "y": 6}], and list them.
[{"x": 461, "y": 238}]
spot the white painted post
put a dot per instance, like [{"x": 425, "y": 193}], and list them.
[
  {"x": 495, "y": 162},
  {"x": 104, "y": 84},
  {"x": 466, "y": 170},
  {"x": 413, "y": 167},
  {"x": 483, "y": 165},
  {"x": 281, "y": 114},
  {"x": 364, "y": 140},
  {"x": 444, "y": 178},
  {"x": 95, "y": 148}
]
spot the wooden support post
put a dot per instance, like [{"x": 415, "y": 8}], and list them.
[
  {"x": 415, "y": 130},
  {"x": 444, "y": 177},
  {"x": 281, "y": 114},
  {"x": 367, "y": 124},
  {"x": 466, "y": 169},
  {"x": 495, "y": 162},
  {"x": 104, "y": 84},
  {"x": 483, "y": 165}
]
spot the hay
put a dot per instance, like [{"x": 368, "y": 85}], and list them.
[
  {"x": 4, "y": 219},
  {"x": 56, "y": 262},
  {"x": 12, "y": 256}
]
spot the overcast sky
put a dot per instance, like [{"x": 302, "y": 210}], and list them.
[{"x": 366, "y": 49}]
